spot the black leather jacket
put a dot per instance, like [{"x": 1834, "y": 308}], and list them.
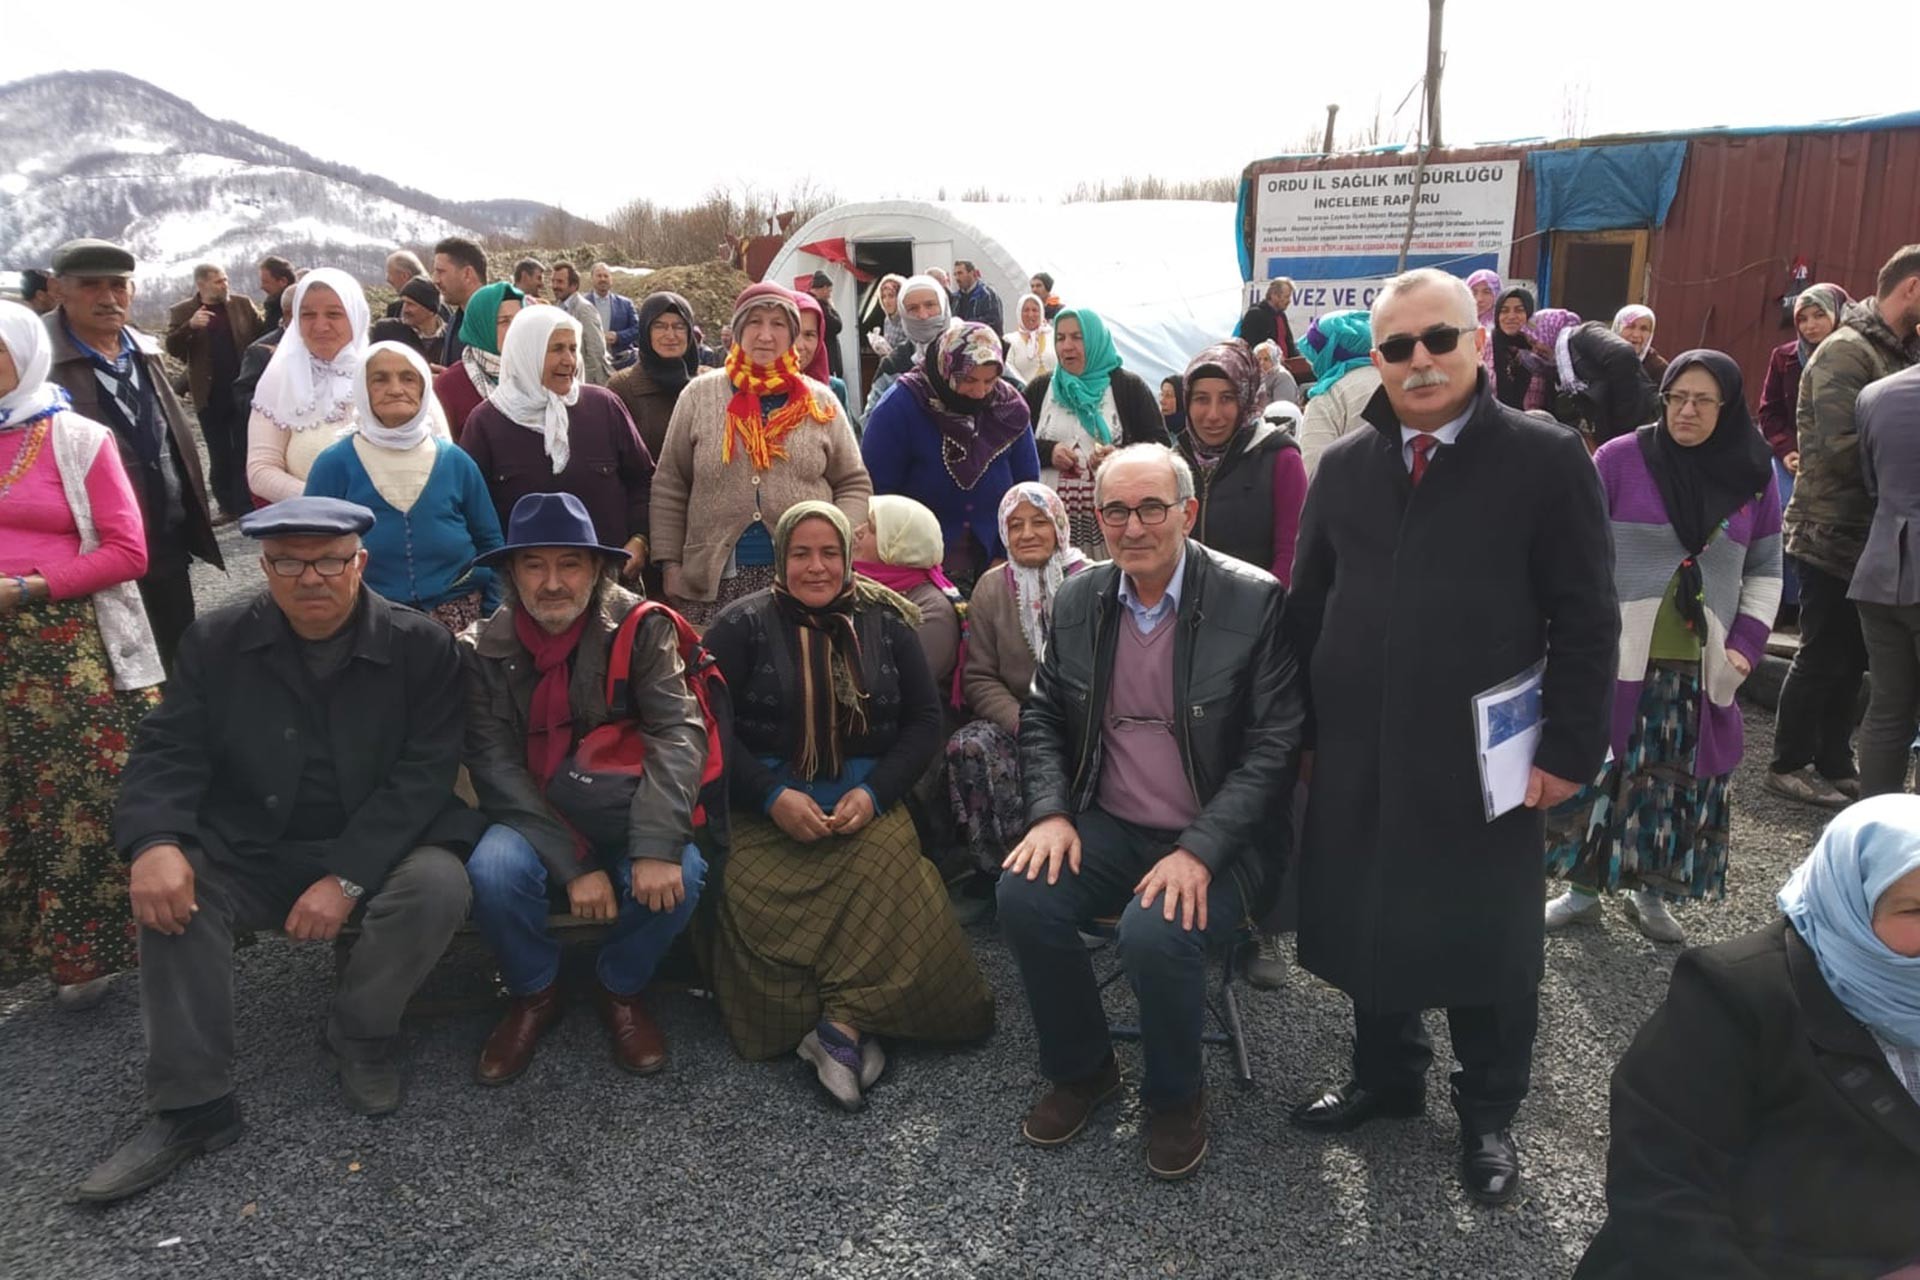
[{"x": 1237, "y": 690}]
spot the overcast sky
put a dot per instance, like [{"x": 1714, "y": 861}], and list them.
[{"x": 588, "y": 106}]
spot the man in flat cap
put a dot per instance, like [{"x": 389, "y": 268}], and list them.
[
  {"x": 299, "y": 771},
  {"x": 115, "y": 376}
]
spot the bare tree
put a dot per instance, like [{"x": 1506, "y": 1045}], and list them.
[{"x": 1574, "y": 100}]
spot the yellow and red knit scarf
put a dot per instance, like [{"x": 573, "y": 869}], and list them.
[{"x": 761, "y": 435}]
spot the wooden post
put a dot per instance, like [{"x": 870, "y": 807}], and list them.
[
  {"x": 1435, "y": 57},
  {"x": 1326, "y": 144}
]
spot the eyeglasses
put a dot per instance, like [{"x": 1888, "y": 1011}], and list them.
[
  {"x": 294, "y": 566},
  {"x": 1152, "y": 511},
  {"x": 1678, "y": 400},
  {"x": 1439, "y": 340},
  {"x": 667, "y": 326}
]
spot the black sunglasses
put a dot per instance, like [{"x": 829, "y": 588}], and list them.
[{"x": 1439, "y": 340}]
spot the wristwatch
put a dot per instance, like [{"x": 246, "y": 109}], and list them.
[{"x": 349, "y": 888}]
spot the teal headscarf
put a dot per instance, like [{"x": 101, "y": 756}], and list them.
[
  {"x": 1336, "y": 344},
  {"x": 479, "y": 324},
  {"x": 1083, "y": 392}
]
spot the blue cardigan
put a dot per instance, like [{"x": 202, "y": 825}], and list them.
[
  {"x": 901, "y": 447},
  {"x": 419, "y": 557}
]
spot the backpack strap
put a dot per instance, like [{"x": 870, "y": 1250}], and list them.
[{"x": 620, "y": 657}]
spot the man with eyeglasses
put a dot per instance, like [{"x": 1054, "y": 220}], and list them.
[
  {"x": 1441, "y": 553},
  {"x": 1157, "y": 757},
  {"x": 299, "y": 772}
]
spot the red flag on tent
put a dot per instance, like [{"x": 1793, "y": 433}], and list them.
[{"x": 835, "y": 250}]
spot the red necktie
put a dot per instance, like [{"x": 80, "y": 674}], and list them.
[{"x": 1422, "y": 446}]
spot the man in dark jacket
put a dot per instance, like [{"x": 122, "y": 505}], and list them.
[
  {"x": 210, "y": 331},
  {"x": 821, "y": 287},
  {"x": 1442, "y": 552},
  {"x": 1266, "y": 320},
  {"x": 1157, "y": 756},
  {"x": 301, "y": 767},
  {"x": 974, "y": 299},
  {"x": 115, "y": 376},
  {"x": 564, "y": 606},
  {"x": 1615, "y": 394}
]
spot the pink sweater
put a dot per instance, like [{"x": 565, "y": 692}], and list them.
[{"x": 37, "y": 532}]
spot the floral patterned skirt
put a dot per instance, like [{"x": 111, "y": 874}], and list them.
[
  {"x": 459, "y": 613},
  {"x": 983, "y": 786},
  {"x": 700, "y": 613},
  {"x": 64, "y": 735},
  {"x": 1649, "y": 823}
]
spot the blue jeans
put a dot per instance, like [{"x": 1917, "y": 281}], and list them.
[
  {"x": 1166, "y": 964},
  {"x": 510, "y": 906}
]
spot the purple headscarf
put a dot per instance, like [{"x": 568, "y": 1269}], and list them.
[
  {"x": 972, "y": 432},
  {"x": 1491, "y": 279}
]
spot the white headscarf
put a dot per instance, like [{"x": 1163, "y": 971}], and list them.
[
  {"x": 300, "y": 390},
  {"x": 1035, "y": 586},
  {"x": 521, "y": 395},
  {"x": 922, "y": 332},
  {"x": 427, "y": 420},
  {"x": 25, "y": 336},
  {"x": 905, "y": 532},
  {"x": 1627, "y": 315}
]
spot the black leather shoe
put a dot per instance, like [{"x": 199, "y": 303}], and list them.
[
  {"x": 370, "y": 1088},
  {"x": 169, "y": 1140},
  {"x": 1490, "y": 1166},
  {"x": 1348, "y": 1106}
]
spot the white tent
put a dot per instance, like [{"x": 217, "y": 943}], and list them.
[{"x": 1163, "y": 274}]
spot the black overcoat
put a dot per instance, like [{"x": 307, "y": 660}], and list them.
[{"x": 1405, "y": 604}]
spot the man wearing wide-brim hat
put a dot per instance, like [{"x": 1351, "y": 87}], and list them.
[
  {"x": 299, "y": 772},
  {"x": 115, "y": 376},
  {"x": 537, "y": 684}
]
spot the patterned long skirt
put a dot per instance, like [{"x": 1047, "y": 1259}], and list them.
[
  {"x": 856, "y": 929},
  {"x": 699, "y": 613},
  {"x": 983, "y": 785},
  {"x": 459, "y": 613},
  {"x": 1649, "y": 823},
  {"x": 64, "y": 735}
]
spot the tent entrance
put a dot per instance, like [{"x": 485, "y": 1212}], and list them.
[{"x": 877, "y": 258}]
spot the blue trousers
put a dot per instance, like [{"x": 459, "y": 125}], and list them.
[{"x": 510, "y": 906}]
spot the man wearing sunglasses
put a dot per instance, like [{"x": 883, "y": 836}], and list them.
[
  {"x": 299, "y": 772},
  {"x": 1441, "y": 553}
]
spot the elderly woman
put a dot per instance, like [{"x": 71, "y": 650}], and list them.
[
  {"x": 829, "y": 928},
  {"x": 1766, "y": 1120},
  {"x": 1173, "y": 404},
  {"x": 1696, "y": 535},
  {"x": 1276, "y": 383},
  {"x": 1030, "y": 350},
  {"x": 1485, "y": 287},
  {"x": 461, "y": 388},
  {"x": 78, "y": 669},
  {"x": 1007, "y": 626},
  {"x": 1339, "y": 346},
  {"x": 899, "y": 546},
  {"x": 954, "y": 437},
  {"x": 432, "y": 514},
  {"x": 891, "y": 330},
  {"x": 1084, "y": 410},
  {"x": 668, "y": 361},
  {"x": 747, "y": 442},
  {"x": 925, "y": 310},
  {"x": 305, "y": 397},
  {"x": 1600, "y": 387},
  {"x": 1635, "y": 323},
  {"x": 1249, "y": 473},
  {"x": 1816, "y": 313},
  {"x": 542, "y": 430}
]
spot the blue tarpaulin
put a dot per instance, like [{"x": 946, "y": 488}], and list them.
[{"x": 1603, "y": 189}]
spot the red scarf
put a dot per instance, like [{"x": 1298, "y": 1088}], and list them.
[
  {"x": 550, "y": 716},
  {"x": 903, "y": 579},
  {"x": 762, "y": 435}
]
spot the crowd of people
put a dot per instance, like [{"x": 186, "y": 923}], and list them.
[{"x": 566, "y": 610}]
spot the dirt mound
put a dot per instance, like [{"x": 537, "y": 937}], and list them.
[{"x": 709, "y": 287}]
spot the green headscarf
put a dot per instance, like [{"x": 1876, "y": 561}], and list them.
[
  {"x": 479, "y": 325},
  {"x": 1336, "y": 344},
  {"x": 1083, "y": 392}
]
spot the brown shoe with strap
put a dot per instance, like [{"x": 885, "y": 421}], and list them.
[
  {"x": 1177, "y": 1138},
  {"x": 638, "y": 1045},
  {"x": 509, "y": 1049},
  {"x": 1063, "y": 1111}
]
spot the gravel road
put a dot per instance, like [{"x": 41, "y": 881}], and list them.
[{"x": 725, "y": 1168}]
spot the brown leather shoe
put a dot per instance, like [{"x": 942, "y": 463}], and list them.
[
  {"x": 1064, "y": 1110},
  {"x": 638, "y": 1045},
  {"x": 509, "y": 1049},
  {"x": 1177, "y": 1138}
]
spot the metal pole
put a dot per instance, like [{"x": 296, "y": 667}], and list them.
[{"x": 1436, "y": 12}]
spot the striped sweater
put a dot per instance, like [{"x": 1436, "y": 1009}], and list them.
[{"x": 1741, "y": 570}]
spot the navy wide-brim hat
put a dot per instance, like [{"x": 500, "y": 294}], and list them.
[{"x": 548, "y": 520}]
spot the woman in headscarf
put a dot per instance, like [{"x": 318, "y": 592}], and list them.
[
  {"x": 1522, "y": 377},
  {"x": 78, "y": 670},
  {"x": 669, "y": 360},
  {"x": 1766, "y": 1120},
  {"x": 829, "y": 929},
  {"x": 1173, "y": 404},
  {"x": 543, "y": 430},
  {"x": 1816, "y": 313},
  {"x": 461, "y": 388},
  {"x": 1635, "y": 323},
  {"x": 955, "y": 437},
  {"x": 925, "y": 311},
  {"x": 1084, "y": 410},
  {"x": 893, "y": 330},
  {"x": 1276, "y": 383},
  {"x": 1600, "y": 387},
  {"x": 1696, "y": 531},
  {"x": 432, "y": 514},
  {"x": 1339, "y": 346},
  {"x": 899, "y": 546},
  {"x": 747, "y": 442},
  {"x": 809, "y": 352},
  {"x": 1249, "y": 477},
  {"x": 1485, "y": 286},
  {"x": 305, "y": 397},
  {"x": 1030, "y": 350},
  {"x": 1008, "y": 622}
]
